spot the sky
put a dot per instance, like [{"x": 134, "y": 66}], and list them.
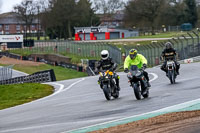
[{"x": 7, "y": 5}]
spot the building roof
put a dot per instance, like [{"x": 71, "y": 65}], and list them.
[
  {"x": 118, "y": 16},
  {"x": 12, "y": 18}
]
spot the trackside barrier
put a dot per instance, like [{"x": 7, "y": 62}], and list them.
[
  {"x": 187, "y": 46},
  {"x": 11, "y": 55},
  {"x": 6, "y": 72},
  {"x": 38, "y": 77}
]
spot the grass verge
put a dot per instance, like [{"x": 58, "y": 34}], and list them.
[
  {"x": 60, "y": 72},
  {"x": 12, "y": 95},
  {"x": 75, "y": 58},
  {"x": 162, "y": 35}
]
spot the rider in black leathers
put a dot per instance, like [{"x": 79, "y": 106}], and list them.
[
  {"x": 106, "y": 63},
  {"x": 169, "y": 53}
]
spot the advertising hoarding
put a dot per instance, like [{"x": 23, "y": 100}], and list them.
[{"x": 11, "y": 38}]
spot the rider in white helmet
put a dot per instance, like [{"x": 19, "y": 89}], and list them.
[{"x": 106, "y": 63}]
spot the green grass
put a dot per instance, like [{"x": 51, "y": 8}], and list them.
[
  {"x": 162, "y": 35},
  {"x": 20, "y": 52},
  {"x": 12, "y": 95},
  {"x": 41, "y": 38},
  {"x": 75, "y": 59},
  {"x": 60, "y": 72}
]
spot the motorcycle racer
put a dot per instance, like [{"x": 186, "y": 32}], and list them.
[
  {"x": 107, "y": 63},
  {"x": 136, "y": 59}
]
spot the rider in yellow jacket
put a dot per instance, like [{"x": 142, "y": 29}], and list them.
[{"x": 136, "y": 59}]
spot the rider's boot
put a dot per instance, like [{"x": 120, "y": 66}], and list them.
[
  {"x": 117, "y": 84},
  {"x": 148, "y": 84},
  {"x": 177, "y": 72},
  {"x": 118, "y": 87}
]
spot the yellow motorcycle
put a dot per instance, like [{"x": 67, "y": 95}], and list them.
[{"x": 108, "y": 85}]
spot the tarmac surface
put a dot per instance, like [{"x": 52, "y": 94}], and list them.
[{"x": 80, "y": 103}]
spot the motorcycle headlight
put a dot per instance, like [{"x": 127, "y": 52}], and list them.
[
  {"x": 138, "y": 74},
  {"x": 129, "y": 75},
  {"x": 106, "y": 77}
]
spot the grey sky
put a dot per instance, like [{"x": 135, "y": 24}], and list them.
[{"x": 7, "y": 5}]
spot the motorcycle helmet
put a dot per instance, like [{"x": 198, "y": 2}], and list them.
[
  {"x": 104, "y": 54},
  {"x": 168, "y": 45},
  {"x": 133, "y": 53}
]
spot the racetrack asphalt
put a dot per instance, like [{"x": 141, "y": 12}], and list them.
[{"x": 80, "y": 103}]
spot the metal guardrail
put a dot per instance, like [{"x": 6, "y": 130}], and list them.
[
  {"x": 187, "y": 46},
  {"x": 6, "y": 72},
  {"x": 38, "y": 77}
]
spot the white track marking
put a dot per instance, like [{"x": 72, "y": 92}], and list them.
[
  {"x": 73, "y": 84},
  {"x": 155, "y": 76},
  {"x": 57, "y": 92}
]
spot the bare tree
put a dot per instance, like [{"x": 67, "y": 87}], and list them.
[
  {"x": 143, "y": 12},
  {"x": 26, "y": 12},
  {"x": 108, "y": 6},
  {"x": 42, "y": 7},
  {"x": 63, "y": 15}
]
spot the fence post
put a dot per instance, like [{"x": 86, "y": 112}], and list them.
[
  {"x": 181, "y": 44},
  {"x": 197, "y": 41},
  {"x": 184, "y": 56},
  {"x": 192, "y": 42}
]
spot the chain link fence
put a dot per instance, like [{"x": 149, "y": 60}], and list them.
[
  {"x": 6, "y": 72},
  {"x": 83, "y": 49},
  {"x": 187, "y": 46}
]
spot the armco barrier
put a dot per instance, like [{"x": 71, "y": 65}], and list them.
[
  {"x": 38, "y": 77},
  {"x": 11, "y": 55}
]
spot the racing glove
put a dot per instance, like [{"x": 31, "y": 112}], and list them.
[
  {"x": 126, "y": 70},
  {"x": 144, "y": 66}
]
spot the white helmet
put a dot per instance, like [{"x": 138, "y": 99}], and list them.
[{"x": 104, "y": 54}]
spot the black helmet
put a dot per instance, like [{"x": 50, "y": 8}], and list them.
[
  {"x": 168, "y": 45},
  {"x": 133, "y": 53}
]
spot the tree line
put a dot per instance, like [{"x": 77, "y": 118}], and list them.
[
  {"x": 156, "y": 13},
  {"x": 59, "y": 17}
]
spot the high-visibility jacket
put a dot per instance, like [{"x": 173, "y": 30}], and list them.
[{"x": 138, "y": 61}]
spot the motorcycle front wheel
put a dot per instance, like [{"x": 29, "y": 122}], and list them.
[
  {"x": 137, "y": 91},
  {"x": 146, "y": 95},
  {"x": 171, "y": 77},
  {"x": 116, "y": 94},
  {"x": 107, "y": 92}
]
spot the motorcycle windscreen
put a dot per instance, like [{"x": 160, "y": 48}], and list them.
[{"x": 134, "y": 69}]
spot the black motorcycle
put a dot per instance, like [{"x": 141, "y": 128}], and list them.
[
  {"x": 138, "y": 82},
  {"x": 108, "y": 84},
  {"x": 171, "y": 71}
]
